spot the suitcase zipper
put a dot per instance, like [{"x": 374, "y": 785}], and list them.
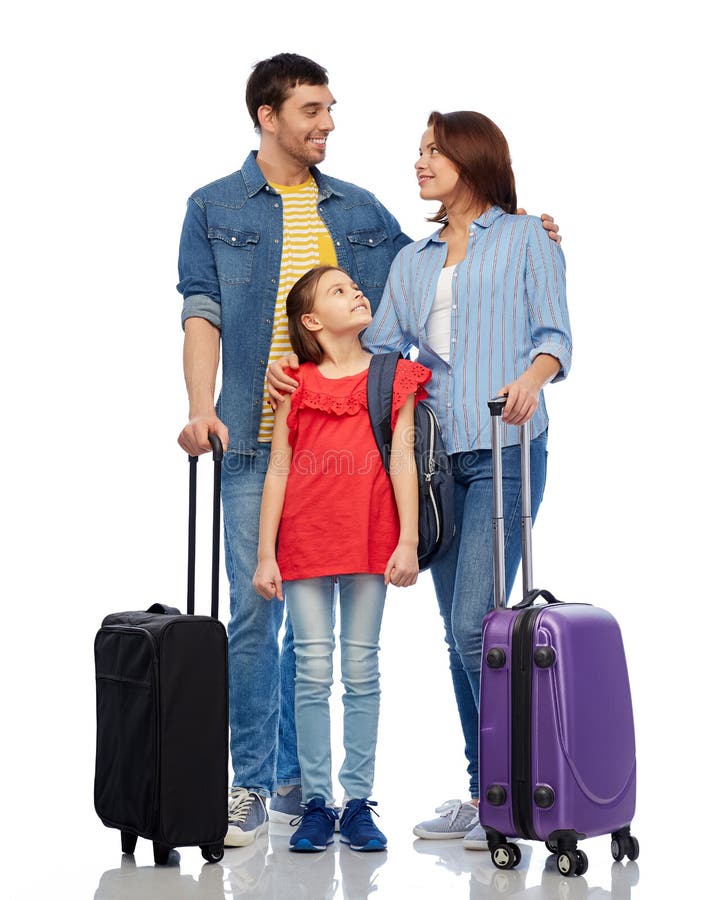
[{"x": 522, "y": 657}]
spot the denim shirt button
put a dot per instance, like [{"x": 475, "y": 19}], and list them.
[
  {"x": 276, "y": 240},
  {"x": 338, "y": 243},
  {"x": 276, "y": 205},
  {"x": 233, "y": 239},
  {"x": 370, "y": 240}
]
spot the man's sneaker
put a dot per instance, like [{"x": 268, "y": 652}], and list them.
[
  {"x": 285, "y": 808},
  {"x": 454, "y": 821},
  {"x": 246, "y": 817},
  {"x": 357, "y": 828},
  {"x": 316, "y": 829}
]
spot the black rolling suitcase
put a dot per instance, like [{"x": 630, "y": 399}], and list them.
[{"x": 162, "y": 728}]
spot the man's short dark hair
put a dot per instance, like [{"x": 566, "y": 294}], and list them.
[{"x": 272, "y": 79}]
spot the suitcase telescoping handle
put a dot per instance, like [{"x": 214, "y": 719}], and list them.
[
  {"x": 496, "y": 406},
  {"x": 216, "y": 444}
]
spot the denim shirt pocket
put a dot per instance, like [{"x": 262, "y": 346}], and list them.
[
  {"x": 234, "y": 252},
  {"x": 373, "y": 254}
]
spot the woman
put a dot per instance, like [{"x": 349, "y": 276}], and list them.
[{"x": 483, "y": 300}]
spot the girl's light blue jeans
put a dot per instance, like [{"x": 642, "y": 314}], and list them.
[{"x": 312, "y": 609}]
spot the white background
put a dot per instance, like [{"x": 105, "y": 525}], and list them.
[{"x": 113, "y": 115}]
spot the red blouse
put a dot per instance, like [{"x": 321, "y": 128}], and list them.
[{"x": 340, "y": 514}]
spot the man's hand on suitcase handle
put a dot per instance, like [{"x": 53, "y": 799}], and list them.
[{"x": 194, "y": 437}]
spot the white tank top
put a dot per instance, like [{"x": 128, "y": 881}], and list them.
[{"x": 437, "y": 328}]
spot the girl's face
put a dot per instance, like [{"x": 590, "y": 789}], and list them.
[
  {"x": 339, "y": 305},
  {"x": 437, "y": 176}
]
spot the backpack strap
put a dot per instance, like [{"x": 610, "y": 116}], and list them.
[{"x": 379, "y": 394}]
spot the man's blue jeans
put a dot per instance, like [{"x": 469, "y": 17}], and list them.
[
  {"x": 311, "y": 603},
  {"x": 263, "y": 744},
  {"x": 464, "y": 577}
]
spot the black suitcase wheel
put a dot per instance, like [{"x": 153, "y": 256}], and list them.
[
  {"x": 633, "y": 848},
  {"x": 212, "y": 853},
  {"x": 582, "y": 866},
  {"x": 552, "y": 846},
  {"x": 160, "y": 853},
  {"x": 506, "y": 856},
  {"x": 128, "y": 842},
  {"x": 624, "y": 845}
]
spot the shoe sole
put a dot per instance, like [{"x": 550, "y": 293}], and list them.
[
  {"x": 283, "y": 818},
  {"x": 438, "y": 835},
  {"x": 370, "y": 847},
  {"x": 237, "y": 838},
  {"x": 306, "y": 846},
  {"x": 475, "y": 845}
]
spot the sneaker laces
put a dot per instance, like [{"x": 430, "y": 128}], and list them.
[
  {"x": 450, "y": 808},
  {"x": 364, "y": 810},
  {"x": 328, "y": 811},
  {"x": 239, "y": 804}
]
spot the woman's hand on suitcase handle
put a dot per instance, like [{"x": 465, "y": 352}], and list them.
[
  {"x": 522, "y": 401},
  {"x": 194, "y": 437},
  {"x": 523, "y": 393},
  {"x": 267, "y": 580}
]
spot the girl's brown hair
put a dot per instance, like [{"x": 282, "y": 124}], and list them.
[
  {"x": 300, "y": 300},
  {"x": 480, "y": 152}
]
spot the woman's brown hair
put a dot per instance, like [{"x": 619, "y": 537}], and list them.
[
  {"x": 480, "y": 152},
  {"x": 300, "y": 300}
]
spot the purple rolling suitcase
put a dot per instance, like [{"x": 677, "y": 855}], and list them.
[{"x": 557, "y": 745}]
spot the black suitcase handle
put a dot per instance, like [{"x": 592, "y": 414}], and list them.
[{"x": 216, "y": 444}]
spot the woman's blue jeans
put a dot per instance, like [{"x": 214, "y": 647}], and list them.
[
  {"x": 464, "y": 577},
  {"x": 311, "y": 604}
]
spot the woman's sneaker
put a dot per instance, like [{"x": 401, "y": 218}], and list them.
[
  {"x": 316, "y": 829},
  {"x": 357, "y": 827},
  {"x": 455, "y": 821}
]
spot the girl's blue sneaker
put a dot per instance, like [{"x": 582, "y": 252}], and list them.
[
  {"x": 316, "y": 829},
  {"x": 357, "y": 827}
]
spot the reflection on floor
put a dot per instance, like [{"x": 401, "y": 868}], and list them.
[{"x": 268, "y": 870}]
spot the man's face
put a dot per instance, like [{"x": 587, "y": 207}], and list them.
[{"x": 303, "y": 123}]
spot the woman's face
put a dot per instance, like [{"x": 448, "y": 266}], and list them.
[{"x": 437, "y": 176}]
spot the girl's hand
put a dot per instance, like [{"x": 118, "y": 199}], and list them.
[
  {"x": 267, "y": 580},
  {"x": 522, "y": 401},
  {"x": 402, "y": 567}
]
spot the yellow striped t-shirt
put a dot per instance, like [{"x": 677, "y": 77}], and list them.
[{"x": 305, "y": 243}]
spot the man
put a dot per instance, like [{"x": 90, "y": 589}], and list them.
[{"x": 246, "y": 239}]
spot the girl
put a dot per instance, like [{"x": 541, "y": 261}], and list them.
[{"x": 342, "y": 523}]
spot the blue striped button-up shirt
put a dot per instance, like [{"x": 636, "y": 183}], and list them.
[{"x": 508, "y": 306}]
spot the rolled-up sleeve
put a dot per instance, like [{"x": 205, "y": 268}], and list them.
[
  {"x": 387, "y": 330},
  {"x": 198, "y": 283},
  {"x": 546, "y": 294}
]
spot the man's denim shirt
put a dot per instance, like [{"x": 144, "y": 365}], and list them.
[{"x": 229, "y": 262}]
